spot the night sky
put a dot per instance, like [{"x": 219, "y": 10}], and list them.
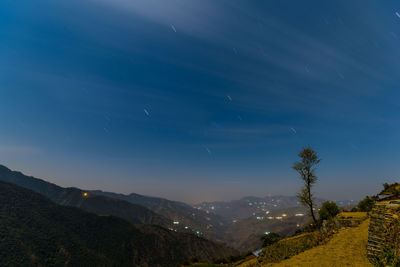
[{"x": 199, "y": 100}]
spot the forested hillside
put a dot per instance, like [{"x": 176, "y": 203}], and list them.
[
  {"x": 85, "y": 200},
  {"x": 35, "y": 231}
]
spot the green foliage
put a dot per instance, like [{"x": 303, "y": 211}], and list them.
[
  {"x": 306, "y": 168},
  {"x": 387, "y": 259},
  {"x": 391, "y": 188},
  {"x": 386, "y": 186},
  {"x": 328, "y": 210},
  {"x": 270, "y": 239},
  {"x": 366, "y": 204}
]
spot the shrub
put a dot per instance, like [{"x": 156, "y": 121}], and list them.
[
  {"x": 366, "y": 204},
  {"x": 270, "y": 239},
  {"x": 328, "y": 210}
]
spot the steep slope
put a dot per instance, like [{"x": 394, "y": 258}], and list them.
[
  {"x": 37, "y": 232},
  {"x": 190, "y": 219},
  {"x": 90, "y": 202},
  {"x": 247, "y": 233}
]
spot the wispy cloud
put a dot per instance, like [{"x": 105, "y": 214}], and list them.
[{"x": 266, "y": 40}]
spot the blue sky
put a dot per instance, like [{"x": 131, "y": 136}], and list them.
[{"x": 201, "y": 100}]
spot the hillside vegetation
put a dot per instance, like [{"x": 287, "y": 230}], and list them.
[
  {"x": 345, "y": 248},
  {"x": 211, "y": 226},
  {"x": 247, "y": 233},
  {"x": 244, "y": 235},
  {"x": 37, "y": 232},
  {"x": 92, "y": 203}
]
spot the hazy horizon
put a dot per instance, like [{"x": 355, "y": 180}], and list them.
[
  {"x": 161, "y": 192},
  {"x": 201, "y": 100}
]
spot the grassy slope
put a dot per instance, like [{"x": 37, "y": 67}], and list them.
[{"x": 346, "y": 248}]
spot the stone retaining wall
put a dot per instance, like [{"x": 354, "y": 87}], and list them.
[{"x": 381, "y": 216}]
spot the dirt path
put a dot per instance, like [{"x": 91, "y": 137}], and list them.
[{"x": 346, "y": 248}]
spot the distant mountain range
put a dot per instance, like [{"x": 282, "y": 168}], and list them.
[
  {"x": 237, "y": 223},
  {"x": 35, "y": 231},
  {"x": 85, "y": 200},
  {"x": 134, "y": 208},
  {"x": 251, "y": 206},
  {"x": 185, "y": 217},
  {"x": 248, "y": 206},
  {"x": 246, "y": 233},
  {"x": 252, "y": 217}
]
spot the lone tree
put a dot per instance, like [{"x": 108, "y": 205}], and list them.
[{"x": 306, "y": 169}]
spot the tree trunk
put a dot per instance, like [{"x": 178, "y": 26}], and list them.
[
  {"x": 311, "y": 201},
  {"x": 312, "y": 213}
]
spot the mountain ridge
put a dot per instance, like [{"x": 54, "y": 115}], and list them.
[
  {"x": 189, "y": 219},
  {"x": 76, "y": 197},
  {"x": 34, "y": 231}
]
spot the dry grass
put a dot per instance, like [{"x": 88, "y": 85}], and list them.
[
  {"x": 346, "y": 248},
  {"x": 352, "y": 215}
]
